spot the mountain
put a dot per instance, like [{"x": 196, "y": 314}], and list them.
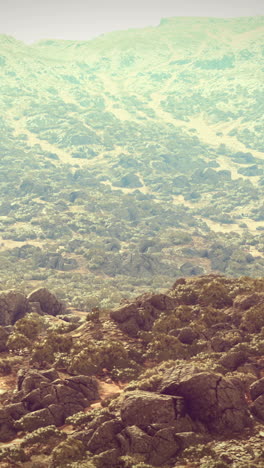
[{"x": 133, "y": 158}]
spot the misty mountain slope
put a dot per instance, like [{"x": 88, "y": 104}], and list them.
[{"x": 133, "y": 158}]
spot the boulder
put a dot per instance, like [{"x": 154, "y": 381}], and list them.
[
  {"x": 28, "y": 380},
  {"x": 3, "y": 339},
  {"x": 156, "y": 449},
  {"x": 223, "y": 340},
  {"x": 166, "y": 444},
  {"x": 135, "y": 441},
  {"x": 109, "y": 458},
  {"x": 72, "y": 394},
  {"x": 257, "y": 389},
  {"x": 45, "y": 399},
  {"x": 141, "y": 314},
  {"x": 143, "y": 408},
  {"x": 32, "y": 421},
  {"x": 187, "y": 335},
  {"x": 103, "y": 437},
  {"x": 48, "y": 302},
  {"x": 232, "y": 359},
  {"x": 7, "y": 427},
  {"x": 13, "y": 306},
  {"x": 243, "y": 302},
  {"x": 216, "y": 401},
  {"x": 257, "y": 407}
]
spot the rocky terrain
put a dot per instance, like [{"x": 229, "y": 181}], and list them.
[
  {"x": 172, "y": 379},
  {"x": 132, "y": 159}
]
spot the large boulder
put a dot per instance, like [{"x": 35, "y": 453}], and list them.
[
  {"x": 257, "y": 395},
  {"x": 13, "y": 306},
  {"x": 43, "y": 399},
  {"x": 7, "y": 427},
  {"x": 103, "y": 437},
  {"x": 257, "y": 388},
  {"x": 143, "y": 408},
  {"x": 48, "y": 302},
  {"x": 245, "y": 302},
  {"x": 257, "y": 407},
  {"x": 155, "y": 449},
  {"x": 71, "y": 395},
  {"x": 141, "y": 314},
  {"x": 233, "y": 359},
  {"x": 32, "y": 421},
  {"x": 210, "y": 398},
  {"x": 3, "y": 339},
  {"x": 166, "y": 444}
]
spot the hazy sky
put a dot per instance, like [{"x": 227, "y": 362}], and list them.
[{"x": 30, "y": 20}]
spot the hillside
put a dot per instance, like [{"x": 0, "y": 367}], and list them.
[
  {"x": 167, "y": 380},
  {"x": 132, "y": 159}
]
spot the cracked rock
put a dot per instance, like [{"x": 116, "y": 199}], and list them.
[
  {"x": 13, "y": 306},
  {"x": 48, "y": 302},
  {"x": 144, "y": 408},
  {"x": 216, "y": 401}
]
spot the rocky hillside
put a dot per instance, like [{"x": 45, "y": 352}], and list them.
[
  {"x": 168, "y": 380},
  {"x": 132, "y": 159}
]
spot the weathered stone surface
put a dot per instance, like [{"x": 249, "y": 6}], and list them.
[
  {"x": 13, "y": 306},
  {"x": 216, "y": 401},
  {"x": 134, "y": 440},
  {"x": 32, "y": 421},
  {"x": 143, "y": 408},
  {"x": 28, "y": 380},
  {"x": 257, "y": 388},
  {"x": 166, "y": 445},
  {"x": 48, "y": 301},
  {"x": 72, "y": 394},
  {"x": 43, "y": 399},
  {"x": 104, "y": 437},
  {"x": 224, "y": 340},
  {"x": 257, "y": 407},
  {"x": 187, "y": 335},
  {"x": 84, "y": 384},
  {"x": 3, "y": 339},
  {"x": 156, "y": 449},
  {"x": 7, "y": 428},
  {"x": 232, "y": 359},
  {"x": 243, "y": 302},
  {"x": 108, "y": 458},
  {"x": 15, "y": 410},
  {"x": 141, "y": 314}
]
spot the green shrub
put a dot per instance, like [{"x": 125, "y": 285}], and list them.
[
  {"x": 253, "y": 319},
  {"x": 42, "y": 353},
  {"x": 59, "y": 343},
  {"x": 164, "y": 347},
  {"x": 30, "y": 326},
  {"x": 165, "y": 323},
  {"x": 215, "y": 294},
  {"x": 94, "y": 356},
  {"x": 93, "y": 316},
  {"x": 67, "y": 451},
  {"x": 18, "y": 342}
]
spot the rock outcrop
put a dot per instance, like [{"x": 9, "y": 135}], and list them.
[
  {"x": 13, "y": 306},
  {"x": 43, "y": 399},
  {"x": 216, "y": 401},
  {"x": 48, "y": 302}
]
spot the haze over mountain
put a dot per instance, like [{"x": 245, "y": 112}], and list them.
[{"x": 132, "y": 159}]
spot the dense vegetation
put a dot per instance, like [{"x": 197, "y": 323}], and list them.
[{"x": 132, "y": 159}]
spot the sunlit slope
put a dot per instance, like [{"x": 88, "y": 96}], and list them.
[
  {"x": 135, "y": 155},
  {"x": 198, "y": 75}
]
